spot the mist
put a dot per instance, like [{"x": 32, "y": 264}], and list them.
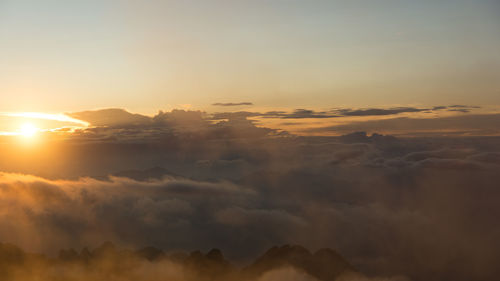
[{"x": 413, "y": 207}]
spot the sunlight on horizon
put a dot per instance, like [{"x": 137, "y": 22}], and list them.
[
  {"x": 46, "y": 116},
  {"x": 28, "y": 130},
  {"x": 32, "y": 123}
]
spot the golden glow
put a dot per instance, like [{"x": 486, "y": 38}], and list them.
[
  {"x": 28, "y": 130},
  {"x": 33, "y": 122},
  {"x": 47, "y": 116}
]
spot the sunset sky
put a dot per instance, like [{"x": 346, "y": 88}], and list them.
[
  {"x": 67, "y": 56},
  {"x": 249, "y": 140}
]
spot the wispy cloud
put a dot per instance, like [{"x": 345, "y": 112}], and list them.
[
  {"x": 471, "y": 124},
  {"x": 232, "y": 104}
]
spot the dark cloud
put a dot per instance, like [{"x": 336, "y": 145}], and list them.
[
  {"x": 232, "y": 104},
  {"x": 484, "y": 124},
  {"x": 398, "y": 110},
  {"x": 343, "y": 112},
  {"x": 463, "y": 110},
  {"x": 439, "y": 107},
  {"x": 305, "y": 113},
  {"x": 379, "y": 111},
  {"x": 296, "y": 114}
]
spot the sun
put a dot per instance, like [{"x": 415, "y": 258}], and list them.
[{"x": 28, "y": 130}]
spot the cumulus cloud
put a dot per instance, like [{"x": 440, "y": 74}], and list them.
[{"x": 175, "y": 125}]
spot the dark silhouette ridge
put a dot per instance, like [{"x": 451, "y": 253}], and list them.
[
  {"x": 328, "y": 265},
  {"x": 68, "y": 255},
  {"x": 215, "y": 255},
  {"x": 212, "y": 265},
  {"x": 11, "y": 254},
  {"x": 151, "y": 253},
  {"x": 85, "y": 254},
  {"x": 325, "y": 264}
]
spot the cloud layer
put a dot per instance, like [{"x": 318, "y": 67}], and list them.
[
  {"x": 119, "y": 124},
  {"x": 418, "y": 207}
]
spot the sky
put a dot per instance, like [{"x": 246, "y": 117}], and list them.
[{"x": 67, "y": 56}]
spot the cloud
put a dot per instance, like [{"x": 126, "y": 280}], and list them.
[
  {"x": 398, "y": 110},
  {"x": 355, "y": 277},
  {"x": 245, "y": 195},
  {"x": 234, "y": 115},
  {"x": 463, "y": 106},
  {"x": 380, "y": 111},
  {"x": 296, "y": 114},
  {"x": 474, "y": 124},
  {"x": 112, "y": 117},
  {"x": 278, "y": 218},
  {"x": 232, "y": 104},
  {"x": 230, "y": 184},
  {"x": 286, "y": 273},
  {"x": 347, "y": 112},
  {"x": 341, "y": 112},
  {"x": 439, "y": 107},
  {"x": 88, "y": 211},
  {"x": 120, "y": 125},
  {"x": 463, "y": 110},
  {"x": 302, "y": 113}
]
